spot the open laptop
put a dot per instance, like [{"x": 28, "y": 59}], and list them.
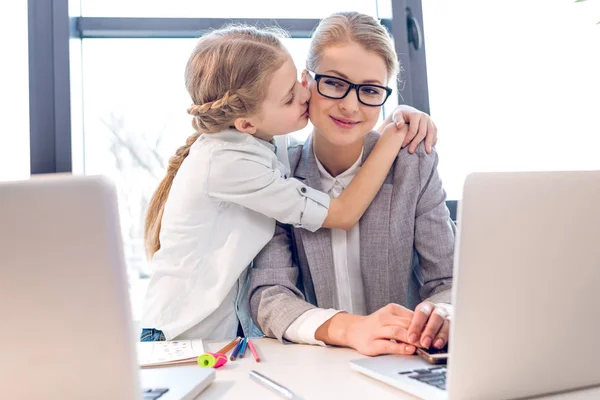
[
  {"x": 526, "y": 280},
  {"x": 66, "y": 326}
]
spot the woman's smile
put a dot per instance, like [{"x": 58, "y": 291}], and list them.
[{"x": 344, "y": 122}]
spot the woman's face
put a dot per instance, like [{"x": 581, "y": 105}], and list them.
[{"x": 346, "y": 121}]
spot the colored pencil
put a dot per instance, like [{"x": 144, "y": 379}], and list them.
[
  {"x": 253, "y": 351},
  {"x": 236, "y": 350},
  {"x": 243, "y": 350},
  {"x": 230, "y": 346}
]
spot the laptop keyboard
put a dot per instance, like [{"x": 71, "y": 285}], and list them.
[
  {"x": 434, "y": 376},
  {"x": 153, "y": 394}
]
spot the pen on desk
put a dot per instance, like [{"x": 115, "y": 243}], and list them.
[
  {"x": 271, "y": 385},
  {"x": 236, "y": 350},
  {"x": 243, "y": 349},
  {"x": 230, "y": 346},
  {"x": 253, "y": 351}
]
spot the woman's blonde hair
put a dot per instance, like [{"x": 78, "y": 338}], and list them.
[
  {"x": 227, "y": 77},
  {"x": 346, "y": 27}
]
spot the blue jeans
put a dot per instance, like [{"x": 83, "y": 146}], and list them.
[
  {"x": 152, "y": 335},
  {"x": 242, "y": 307}
]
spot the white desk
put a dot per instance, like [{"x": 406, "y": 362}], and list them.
[{"x": 311, "y": 372}]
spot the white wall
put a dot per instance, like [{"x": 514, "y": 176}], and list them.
[
  {"x": 14, "y": 91},
  {"x": 514, "y": 85}
]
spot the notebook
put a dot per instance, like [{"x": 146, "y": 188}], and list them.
[{"x": 154, "y": 354}]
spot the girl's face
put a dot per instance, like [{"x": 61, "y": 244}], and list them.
[
  {"x": 285, "y": 108},
  {"x": 345, "y": 121}
]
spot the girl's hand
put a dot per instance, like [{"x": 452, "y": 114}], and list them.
[
  {"x": 420, "y": 124},
  {"x": 394, "y": 135}
]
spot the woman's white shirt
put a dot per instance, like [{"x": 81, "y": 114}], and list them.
[{"x": 220, "y": 213}]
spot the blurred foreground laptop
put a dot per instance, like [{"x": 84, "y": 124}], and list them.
[
  {"x": 526, "y": 278},
  {"x": 67, "y": 330}
]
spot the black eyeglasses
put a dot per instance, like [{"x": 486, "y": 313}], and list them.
[{"x": 333, "y": 87}]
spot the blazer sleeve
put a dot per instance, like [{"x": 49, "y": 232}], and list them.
[
  {"x": 275, "y": 299},
  {"x": 434, "y": 232}
]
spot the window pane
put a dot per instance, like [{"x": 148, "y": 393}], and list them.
[
  {"x": 14, "y": 97},
  {"x": 226, "y": 9},
  {"x": 513, "y": 85},
  {"x": 135, "y": 117}
]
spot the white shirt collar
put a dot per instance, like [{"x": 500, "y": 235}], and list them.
[{"x": 344, "y": 178}]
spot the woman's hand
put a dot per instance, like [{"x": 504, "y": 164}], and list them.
[
  {"x": 430, "y": 325},
  {"x": 371, "y": 335},
  {"x": 421, "y": 127}
]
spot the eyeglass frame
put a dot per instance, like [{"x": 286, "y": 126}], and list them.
[{"x": 356, "y": 86}]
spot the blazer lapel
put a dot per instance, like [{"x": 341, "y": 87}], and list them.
[{"x": 317, "y": 245}]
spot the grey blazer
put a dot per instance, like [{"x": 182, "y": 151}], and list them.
[{"x": 408, "y": 220}]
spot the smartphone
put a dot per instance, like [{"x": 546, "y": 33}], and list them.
[{"x": 433, "y": 355}]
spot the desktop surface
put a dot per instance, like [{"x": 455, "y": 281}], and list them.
[{"x": 313, "y": 372}]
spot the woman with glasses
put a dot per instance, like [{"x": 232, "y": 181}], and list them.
[{"x": 353, "y": 288}]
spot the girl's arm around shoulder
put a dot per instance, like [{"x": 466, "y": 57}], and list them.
[
  {"x": 247, "y": 176},
  {"x": 349, "y": 207}
]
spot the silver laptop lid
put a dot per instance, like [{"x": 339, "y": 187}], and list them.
[
  {"x": 66, "y": 322},
  {"x": 527, "y": 273}
]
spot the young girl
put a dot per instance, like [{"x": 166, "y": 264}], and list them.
[{"x": 213, "y": 213}]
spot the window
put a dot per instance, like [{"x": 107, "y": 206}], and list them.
[
  {"x": 14, "y": 97},
  {"x": 513, "y": 85},
  {"x": 232, "y": 8}
]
